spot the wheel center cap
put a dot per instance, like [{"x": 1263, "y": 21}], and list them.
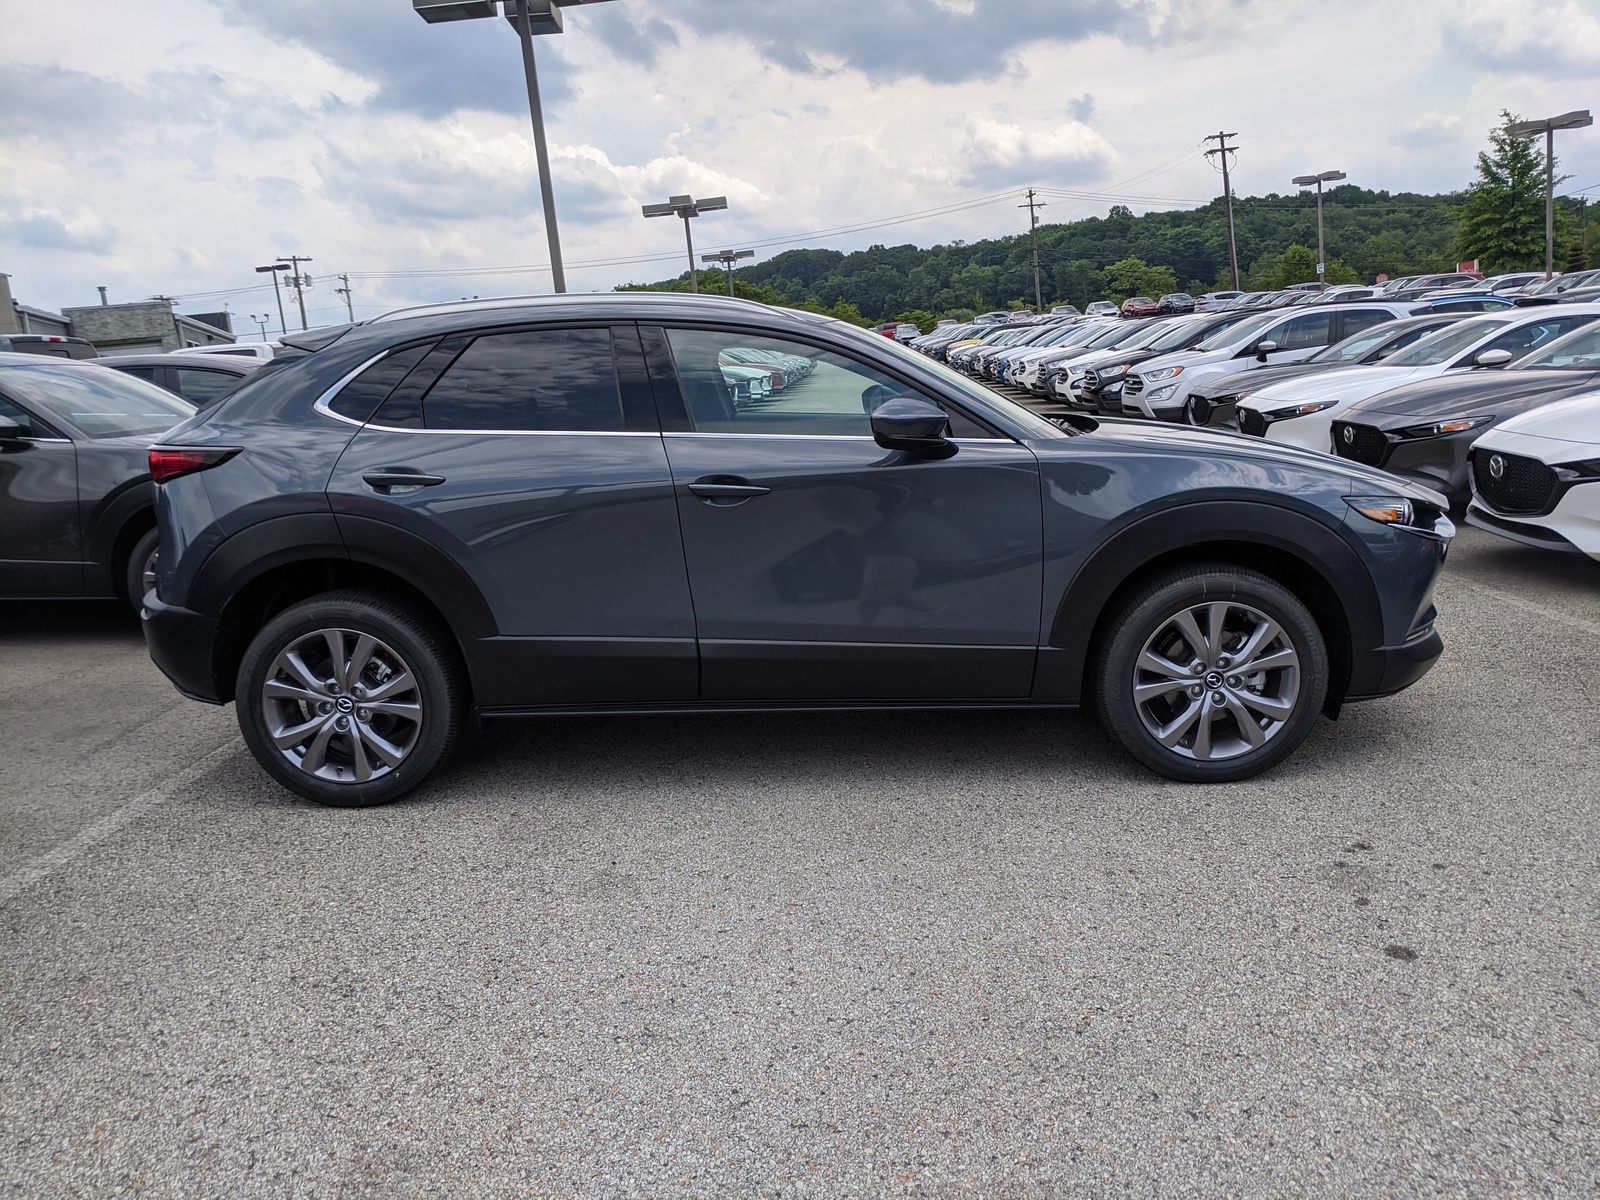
[
  {"x": 344, "y": 704},
  {"x": 1214, "y": 680}
]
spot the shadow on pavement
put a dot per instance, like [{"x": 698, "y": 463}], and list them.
[{"x": 47, "y": 620}]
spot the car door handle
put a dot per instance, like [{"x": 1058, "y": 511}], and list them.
[
  {"x": 399, "y": 477},
  {"x": 726, "y": 489}
]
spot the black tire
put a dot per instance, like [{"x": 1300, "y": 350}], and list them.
[
  {"x": 138, "y": 573},
  {"x": 411, "y": 655},
  {"x": 1197, "y": 411},
  {"x": 1150, "y": 616}
]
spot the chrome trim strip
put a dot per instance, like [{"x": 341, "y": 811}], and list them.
[{"x": 630, "y": 433}]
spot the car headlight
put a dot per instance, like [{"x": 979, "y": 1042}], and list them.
[
  {"x": 1161, "y": 393},
  {"x": 1297, "y": 410},
  {"x": 1441, "y": 428},
  {"x": 1577, "y": 472},
  {"x": 1386, "y": 510},
  {"x": 1163, "y": 373}
]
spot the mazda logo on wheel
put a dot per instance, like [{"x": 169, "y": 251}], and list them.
[
  {"x": 1349, "y": 435},
  {"x": 1497, "y": 467}
]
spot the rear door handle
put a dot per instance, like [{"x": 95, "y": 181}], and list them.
[
  {"x": 726, "y": 489},
  {"x": 399, "y": 477}
]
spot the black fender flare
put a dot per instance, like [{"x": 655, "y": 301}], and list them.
[
  {"x": 1123, "y": 552},
  {"x": 110, "y": 518}
]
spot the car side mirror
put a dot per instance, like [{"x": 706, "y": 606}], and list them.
[
  {"x": 9, "y": 428},
  {"x": 11, "y": 435},
  {"x": 1493, "y": 358},
  {"x": 913, "y": 426},
  {"x": 1263, "y": 349}
]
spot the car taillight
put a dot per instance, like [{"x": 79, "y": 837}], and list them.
[{"x": 169, "y": 462}]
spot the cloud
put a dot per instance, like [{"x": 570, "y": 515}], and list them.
[
  {"x": 76, "y": 232},
  {"x": 1559, "y": 38},
  {"x": 1428, "y": 131},
  {"x": 995, "y": 153}
]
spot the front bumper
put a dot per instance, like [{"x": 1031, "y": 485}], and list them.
[
  {"x": 182, "y": 644},
  {"x": 1403, "y": 665}
]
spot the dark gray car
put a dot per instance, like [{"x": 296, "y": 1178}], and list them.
[
  {"x": 201, "y": 379},
  {"x": 77, "y": 508},
  {"x": 554, "y": 506}
]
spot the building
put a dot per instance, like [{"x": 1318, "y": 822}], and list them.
[
  {"x": 24, "y": 318},
  {"x": 146, "y": 327}
]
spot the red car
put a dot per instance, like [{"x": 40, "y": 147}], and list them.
[{"x": 1140, "y": 306}]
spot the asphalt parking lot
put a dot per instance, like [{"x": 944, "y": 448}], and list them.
[{"x": 937, "y": 954}]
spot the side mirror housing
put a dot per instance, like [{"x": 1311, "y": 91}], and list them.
[
  {"x": 913, "y": 426},
  {"x": 1493, "y": 358},
  {"x": 9, "y": 428},
  {"x": 1263, "y": 349}
]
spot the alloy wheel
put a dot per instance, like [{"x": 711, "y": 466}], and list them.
[
  {"x": 342, "y": 705},
  {"x": 1216, "y": 681}
]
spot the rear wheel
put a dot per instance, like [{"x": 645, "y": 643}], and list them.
[
  {"x": 350, "y": 699},
  {"x": 1197, "y": 411},
  {"x": 139, "y": 573},
  {"x": 1211, "y": 673}
]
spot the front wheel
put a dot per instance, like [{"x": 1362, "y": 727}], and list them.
[
  {"x": 350, "y": 699},
  {"x": 1197, "y": 411},
  {"x": 1211, "y": 673}
]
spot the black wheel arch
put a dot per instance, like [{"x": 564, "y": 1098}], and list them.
[
  {"x": 118, "y": 521},
  {"x": 264, "y": 568},
  {"x": 1305, "y": 554}
]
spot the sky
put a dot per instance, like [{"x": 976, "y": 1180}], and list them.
[{"x": 168, "y": 147}]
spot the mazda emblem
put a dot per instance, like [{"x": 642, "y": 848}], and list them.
[
  {"x": 1349, "y": 435},
  {"x": 1497, "y": 467}
]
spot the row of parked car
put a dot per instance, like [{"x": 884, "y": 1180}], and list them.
[{"x": 1426, "y": 387}]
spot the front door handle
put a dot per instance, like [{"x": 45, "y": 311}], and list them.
[
  {"x": 726, "y": 489},
  {"x": 399, "y": 478}
]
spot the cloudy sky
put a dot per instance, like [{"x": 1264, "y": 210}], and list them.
[{"x": 169, "y": 146}]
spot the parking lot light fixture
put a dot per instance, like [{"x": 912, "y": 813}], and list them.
[
  {"x": 687, "y": 207},
  {"x": 1578, "y": 119},
  {"x": 1317, "y": 181},
  {"x": 728, "y": 258},
  {"x": 274, "y": 268},
  {"x": 528, "y": 17}
]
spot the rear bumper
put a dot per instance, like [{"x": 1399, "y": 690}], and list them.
[
  {"x": 182, "y": 644},
  {"x": 1403, "y": 665}
]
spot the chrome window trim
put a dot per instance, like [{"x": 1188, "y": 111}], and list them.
[{"x": 322, "y": 401}]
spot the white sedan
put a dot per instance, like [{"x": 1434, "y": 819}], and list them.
[
  {"x": 1301, "y": 411},
  {"x": 1536, "y": 477}
]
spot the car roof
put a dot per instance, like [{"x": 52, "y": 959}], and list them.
[{"x": 209, "y": 362}]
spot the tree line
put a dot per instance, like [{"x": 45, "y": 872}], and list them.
[{"x": 1499, "y": 220}]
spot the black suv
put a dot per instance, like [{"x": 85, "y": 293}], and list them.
[{"x": 564, "y": 505}]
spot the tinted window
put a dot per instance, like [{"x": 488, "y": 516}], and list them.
[
  {"x": 1580, "y": 351},
  {"x": 538, "y": 380},
  {"x": 360, "y": 398},
  {"x": 26, "y": 425},
  {"x": 1438, "y": 347},
  {"x": 1357, "y": 319},
  {"x": 1302, "y": 332},
  {"x": 200, "y": 386},
  {"x": 1527, "y": 338},
  {"x": 96, "y": 400},
  {"x": 736, "y": 382},
  {"x": 147, "y": 373}
]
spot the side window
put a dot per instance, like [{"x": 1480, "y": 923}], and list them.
[
  {"x": 552, "y": 379},
  {"x": 1405, "y": 339},
  {"x": 1527, "y": 338},
  {"x": 200, "y": 387},
  {"x": 360, "y": 398},
  {"x": 1357, "y": 319},
  {"x": 148, "y": 374},
  {"x": 737, "y": 382},
  {"x": 1303, "y": 332},
  {"x": 27, "y": 426}
]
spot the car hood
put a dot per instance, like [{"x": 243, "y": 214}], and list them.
[
  {"x": 1214, "y": 444},
  {"x": 1352, "y": 383},
  {"x": 1254, "y": 380},
  {"x": 1573, "y": 419},
  {"x": 1467, "y": 394}
]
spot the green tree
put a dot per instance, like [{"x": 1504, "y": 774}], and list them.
[
  {"x": 1502, "y": 222},
  {"x": 1135, "y": 277},
  {"x": 1577, "y": 258}
]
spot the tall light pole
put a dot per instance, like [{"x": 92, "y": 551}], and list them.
[
  {"x": 687, "y": 207},
  {"x": 728, "y": 258},
  {"x": 274, "y": 268},
  {"x": 1531, "y": 129},
  {"x": 528, "y": 17},
  {"x": 1319, "y": 180}
]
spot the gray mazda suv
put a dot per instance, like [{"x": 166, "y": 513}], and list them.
[{"x": 563, "y": 505}]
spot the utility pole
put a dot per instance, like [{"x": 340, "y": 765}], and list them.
[
  {"x": 299, "y": 283},
  {"x": 1223, "y": 149},
  {"x": 345, "y": 292},
  {"x": 1033, "y": 232}
]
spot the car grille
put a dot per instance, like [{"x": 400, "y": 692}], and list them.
[
  {"x": 1133, "y": 385},
  {"x": 1090, "y": 383},
  {"x": 1525, "y": 486},
  {"x": 1252, "y": 422},
  {"x": 1360, "y": 443}
]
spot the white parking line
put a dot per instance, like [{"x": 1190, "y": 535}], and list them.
[
  {"x": 25, "y": 877},
  {"x": 1551, "y": 614}
]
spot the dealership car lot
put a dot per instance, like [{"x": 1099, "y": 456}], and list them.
[{"x": 813, "y": 955}]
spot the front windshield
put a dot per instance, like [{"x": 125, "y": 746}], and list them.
[
  {"x": 1072, "y": 335},
  {"x": 1243, "y": 331},
  {"x": 1145, "y": 337},
  {"x": 1578, "y": 351},
  {"x": 1178, "y": 336},
  {"x": 1436, "y": 348},
  {"x": 96, "y": 400}
]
